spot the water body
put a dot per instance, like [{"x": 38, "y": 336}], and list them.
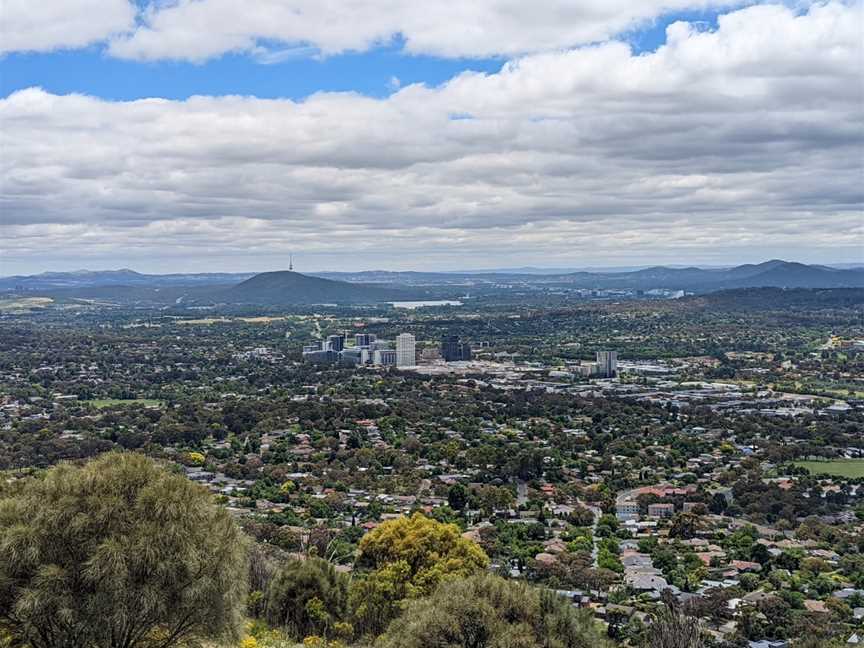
[{"x": 411, "y": 305}]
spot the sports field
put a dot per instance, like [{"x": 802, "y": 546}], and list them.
[{"x": 838, "y": 467}]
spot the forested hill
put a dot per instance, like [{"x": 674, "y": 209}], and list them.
[
  {"x": 286, "y": 287},
  {"x": 767, "y": 299}
]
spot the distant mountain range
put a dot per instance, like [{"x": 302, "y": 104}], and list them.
[
  {"x": 779, "y": 274},
  {"x": 122, "y": 277},
  {"x": 286, "y": 287}
]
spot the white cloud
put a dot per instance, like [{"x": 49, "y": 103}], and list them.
[
  {"x": 744, "y": 139},
  {"x": 200, "y": 29},
  {"x": 44, "y": 25}
]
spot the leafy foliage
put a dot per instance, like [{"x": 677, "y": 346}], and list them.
[
  {"x": 431, "y": 550},
  {"x": 672, "y": 629},
  {"x": 409, "y": 556},
  {"x": 306, "y": 597},
  {"x": 119, "y": 552},
  {"x": 486, "y": 611}
]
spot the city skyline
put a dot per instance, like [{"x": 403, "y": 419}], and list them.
[{"x": 385, "y": 323}]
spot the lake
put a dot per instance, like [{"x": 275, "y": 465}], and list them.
[{"x": 421, "y": 304}]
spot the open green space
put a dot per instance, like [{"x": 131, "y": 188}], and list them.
[
  {"x": 113, "y": 402},
  {"x": 838, "y": 467},
  {"x": 24, "y": 304}
]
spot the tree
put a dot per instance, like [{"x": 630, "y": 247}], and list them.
[
  {"x": 684, "y": 525},
  {"x": 306, "y": 597},
  {"x": 581, "y": 517},
  {"x": 119, "y": 552},
  {"x": 409, "y": 557},
  {"x": 672, "y": 629},
  {"x": 457, "y": 497},
  {"x": 486, "y": 611},
  {"x": 377, "y": 599},
  {"x": 759, "y": 553},
  {"x": 718, "y": 504},
  {"x": 432, "y": 551}
]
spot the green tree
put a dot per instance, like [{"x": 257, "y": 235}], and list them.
[
  {"x": 486, "y": 611},
  {"x": 457, "y": 496},
  {"x": 581, "y": 517},
  {"x": 684, "y": 525},
  {"x": 672, "y": 629},
  {"x": 377, "y": 599},
  {"x": 306, "y": 597},
  {"x": 119, "y": 552}
]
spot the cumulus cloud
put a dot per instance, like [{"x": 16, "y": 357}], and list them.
[
  {"x": 44, "y": 25},
  {"x": 199, "y": 29},
  {"x": 745, "y": 138}
]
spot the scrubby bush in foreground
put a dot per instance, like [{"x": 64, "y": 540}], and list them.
[
  {"x": 487, "y": 611},
  {"x": 119, "y": 552}
]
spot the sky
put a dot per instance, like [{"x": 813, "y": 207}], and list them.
[{"x": 216, "y": 135}]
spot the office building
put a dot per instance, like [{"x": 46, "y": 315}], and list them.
[
  {"x": 351, "y": 356},
  {"x": 321, "y": 356},
  {"x": 450, "y": 348},
  {"x": 364, "y": 339},
  {"x": 627, "y": 509},
  {"x": 454, "y": 350},
  {"x": 406, "y": 352},
  {"x": 607, "y": 364},
  {"x": 384, "y": 357},
  {"x": 587, "y": 369},
  {"x": 430, "y": 354},
  {"x": 335, "y": 343},
  {"x": 661, "y": 510}
]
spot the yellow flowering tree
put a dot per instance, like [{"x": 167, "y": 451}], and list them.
[
  {"x": 195, "y": 458},
  {"x": 432, "y": 551},
  {"x": 408, "y": 558}
]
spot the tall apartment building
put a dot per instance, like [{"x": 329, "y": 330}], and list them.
[
  {"x": 406, "y": 351},
  {"x": 607, "y": 364}
]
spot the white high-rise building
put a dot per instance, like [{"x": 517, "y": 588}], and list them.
[{"x": 406, "y": 353}]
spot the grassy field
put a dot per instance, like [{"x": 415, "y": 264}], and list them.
[
  {"x": 838, "y": 467},
  {"x": 24, "y": 304},
  {"x": 112, "y": 402}
]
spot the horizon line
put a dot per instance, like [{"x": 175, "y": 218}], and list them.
[{"x": 501, "y": 270}]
